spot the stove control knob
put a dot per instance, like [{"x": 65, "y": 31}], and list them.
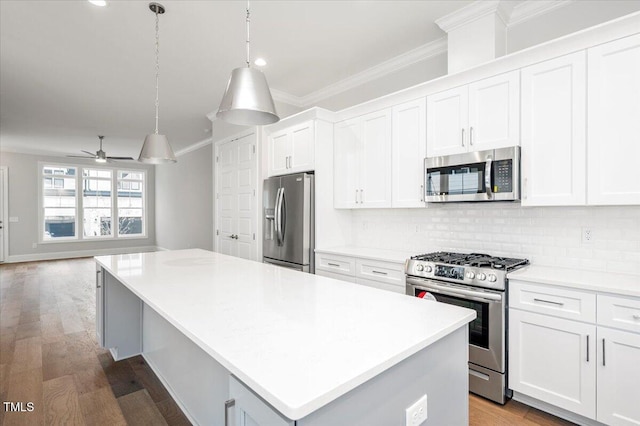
[
  {"x": 471, "y": 275},
  {"x": 492, "y": 278},
  {"x": 428, "y": 268},
  {"x": 481, "y": 276},
  {"x": 419, "y": 268}
]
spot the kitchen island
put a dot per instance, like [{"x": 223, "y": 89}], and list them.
[{"x": 288, "y": 347}]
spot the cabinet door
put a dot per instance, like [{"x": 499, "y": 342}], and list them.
[
  {"x": 345, "y": 173},
  {"x": 99, "y": 305},
  {"x": 554, "y": 132},
  {"x": 614, "y": 124},
  {"x": 409, "y": 147},
  {"x": 447, "y": 121},
  {"x": 375, "y": 160},
  {"x": 618, "y": 377},
  {"x": 494, "y": 112},
  {"x": 250, "y": 410},
  {"x": 301, "y": 155},
  {"x": 553, "y": 360},
  {"x": 279, "y": 149}
]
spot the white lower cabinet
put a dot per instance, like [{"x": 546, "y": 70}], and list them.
[
  {"x": 371, "y": 273},
  {"x": 553, "y": 360},
  {"x": 249, "y": 409},
  {"x": 588, "y": 365}
]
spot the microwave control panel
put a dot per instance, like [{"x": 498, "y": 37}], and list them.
[{"x": 503, "y": 176}]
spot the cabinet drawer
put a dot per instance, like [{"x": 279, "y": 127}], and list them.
[
  {"x": 386, "y": 272},
  {"x": 341, "y": 277},
  {"x": 619, "y": 312},
  {"x": 381, "y": 285},
  {"x": 335, "y": 263},
  {"x": 560, "y": 302}
]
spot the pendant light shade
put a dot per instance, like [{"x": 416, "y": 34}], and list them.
[
  {"x": 247, "y": 100},
  {"x": 156, "y": 150}
]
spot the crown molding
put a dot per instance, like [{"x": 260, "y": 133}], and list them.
[
  {"x": 397, "y": 63},
  {"x": 194, "y": 147},
  {"x": 470, "y": 13},
  {"x": 532, "y": 8}
]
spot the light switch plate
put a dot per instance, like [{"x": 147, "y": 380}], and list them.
[{"x": 417, "y": 413}]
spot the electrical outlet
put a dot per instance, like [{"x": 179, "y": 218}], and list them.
[
  {"x": 587, "y": 235},
  {"x": 417, "y": 413}
]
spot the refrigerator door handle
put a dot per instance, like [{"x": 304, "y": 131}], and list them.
[
  {"x": 277, "y": 217},
  {"x": 283, "y": 216}
]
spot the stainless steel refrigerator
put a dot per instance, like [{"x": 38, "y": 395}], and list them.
[{"x": 288, "y": 222}]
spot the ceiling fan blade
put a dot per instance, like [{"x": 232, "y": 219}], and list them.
[
  {"x": 120, "y": 158},
  {"x": 93, "y": 154},
  {"x": 81, "y": 156}
]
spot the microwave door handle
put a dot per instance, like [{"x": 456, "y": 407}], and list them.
[{"x": 487, "y": 177}]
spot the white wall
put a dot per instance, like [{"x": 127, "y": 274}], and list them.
[
  {"x": 23, "y": 204},
  {"x": 184, "y": 201},
  {"x": 550, "y": 236}
]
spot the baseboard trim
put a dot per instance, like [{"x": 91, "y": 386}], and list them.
[
  {"x": 556, "y": 411},
  {"x": 77, "y": 253}
]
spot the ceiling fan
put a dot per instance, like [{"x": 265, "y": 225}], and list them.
[{"x": 100, "y": 156}]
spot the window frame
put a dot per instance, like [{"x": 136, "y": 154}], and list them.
[{"x": 79, "y": 204}]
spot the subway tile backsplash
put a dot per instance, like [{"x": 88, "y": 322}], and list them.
[{"x": 550, "y": 236}]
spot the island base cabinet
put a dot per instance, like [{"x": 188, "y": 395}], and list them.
[
  {"x": 618, "y": 377},
  {"x": 251, "y": 410},
  {"x": 99, "y": 305},
  {"x": 553, "y": 360},
  {"x": 121, "y": 319}
]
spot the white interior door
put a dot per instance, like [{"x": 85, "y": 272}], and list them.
[
  {"x": 4, "y": 208},
  {"x": 236, "y": 212}
]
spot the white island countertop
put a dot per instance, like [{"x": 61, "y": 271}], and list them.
[{"x": 297, "y": 340}]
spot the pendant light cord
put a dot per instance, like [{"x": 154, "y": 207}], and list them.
[
  {"x": 157, "y": 67},
  {"x": 248, "y": 22}
]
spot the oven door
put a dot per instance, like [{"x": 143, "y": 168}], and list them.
[{"x": 487, "y": 331}]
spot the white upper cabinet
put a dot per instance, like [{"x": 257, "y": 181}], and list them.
[
  {"x": 614, "y": 122},
  {"x": 409, "y": 147},
  {"x": 554, "y": 132},
  {"x": 481, "y": 115},
  {"x": 291, "y": 150},
  {"x": 362, "y": 161}
]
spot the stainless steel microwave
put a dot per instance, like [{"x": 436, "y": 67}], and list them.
[{"x": 491, "y": 175}]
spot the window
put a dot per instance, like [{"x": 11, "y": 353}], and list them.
[
  {"x": 130, "y": 203},
  {"x": 97, "y": 203},
  {"x": 59, "y": 202},
  {"x": 108, "y": 197}
]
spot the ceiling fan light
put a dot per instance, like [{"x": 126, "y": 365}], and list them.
[
  {"x": 247, "y": 100},
  {"x": 156, "y": 150}
]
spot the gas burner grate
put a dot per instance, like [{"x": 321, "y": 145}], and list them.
[{"x": 478, "y": 260}]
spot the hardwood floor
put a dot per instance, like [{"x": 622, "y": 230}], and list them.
[{"x": 49, "y": 356}]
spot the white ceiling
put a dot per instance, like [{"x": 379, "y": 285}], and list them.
[{"x": 70, "y": 70}]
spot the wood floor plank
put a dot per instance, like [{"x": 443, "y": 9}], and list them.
[
  {"x": 121, "y": 377},
  {"x": 27, "y": 330},
  {"x": 55, "y": 360},
  {"x": 545, "y": 419},
  {"x": 61, "y": 404},
  {"x": 172, "y": 413},
  {"x": 27, "y": 355},
  {"x": 148, "y": 379},
  {"x": 139, "y": 409},
  {"x": 100, "y": 407},
  {"x": 25, "y": 386},
  {"x": 90, "y": 378}
]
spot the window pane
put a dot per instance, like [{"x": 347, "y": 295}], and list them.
[
  {"x": 129, "y": 175},
  {"x": 97, "y": 222},
  {"x": 96, "y": 173},
  {"x": 96, "y": 203},
  {"x": 55, "y": 170},
  {"x": 130, "y": 202},
  {"x": 59, "y": 223},
  {"x": 130, "y": 221}
]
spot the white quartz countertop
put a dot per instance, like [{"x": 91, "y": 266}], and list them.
[
  {"x": 628, "y": 285},
  {"x": 298, "y": 340},
  {"x": 368, "y": 253}
]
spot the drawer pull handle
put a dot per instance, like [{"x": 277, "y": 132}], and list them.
[
  {"x": 549, "y": 301},
  {"x": 333, "y": 264},
  {"x": 379, "y": 272},
  {"x": 587, "y": 348},
  {"x": 603, "y": 357},
  {"x": 636, "y": 317},
  {"x": 228, "y": 404}
]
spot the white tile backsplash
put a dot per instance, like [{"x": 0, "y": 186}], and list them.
[{"x": 549, "y": 236}]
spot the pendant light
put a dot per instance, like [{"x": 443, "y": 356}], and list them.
[
  {"x": 156, "y": 148},
  {"x": 247, "y": 100}
]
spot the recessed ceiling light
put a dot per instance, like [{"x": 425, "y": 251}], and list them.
[
  {"x": 101, "y": 3},
  {"x": 260, "y": 62}
]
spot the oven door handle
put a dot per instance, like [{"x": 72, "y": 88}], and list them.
[{"x": 454, "y": 291}]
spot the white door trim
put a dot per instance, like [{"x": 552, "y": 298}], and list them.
[{"x": 4, "y": 172}]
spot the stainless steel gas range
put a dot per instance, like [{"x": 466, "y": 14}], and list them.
[{"x": 479, "y": 282}]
